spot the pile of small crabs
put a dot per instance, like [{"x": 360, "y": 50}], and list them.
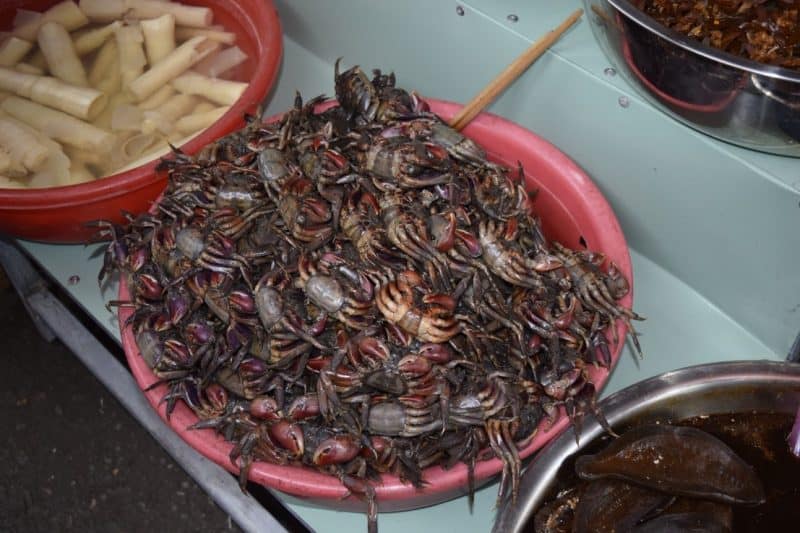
[{"x": 356, "y": 288}]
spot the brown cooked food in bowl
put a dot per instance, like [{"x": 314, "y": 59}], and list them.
[{"x": 766, "y": 31}]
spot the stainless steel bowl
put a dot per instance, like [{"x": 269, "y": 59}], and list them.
[
  {"x": 742, "y": 386},
  {"x": 733, "y": 99}
]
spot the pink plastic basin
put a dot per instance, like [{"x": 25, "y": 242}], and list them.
[{"x": 571, "y": 208}]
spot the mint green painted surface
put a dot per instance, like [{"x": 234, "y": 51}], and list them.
[
  {"x": 718, "y": 217},
  {"x": 713, "y": 228}
]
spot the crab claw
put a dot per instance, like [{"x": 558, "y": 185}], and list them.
[
  {"x": 511, "y": 229},
  {"x": 148, "y": 287},
  {"x": 411, "y": 279},
  {"x": 199, "y": 282},
  {"x": 565, "y": 318},
  {"x": 319, "y": 326},
  {"x": 303, "y": 407},
  {"x": 337, "y": 160},
  {"x": 545, "y": 262},
  {"x": 443, "y": 230},
  {"x": 177, "y": 306},
  {"x": 471, "y": 242},
  {"x": 298, "y": 186},
  {"x": 434, "y": 153},
  {"x": 412, "y": 366},
  {"x": 368, "y": 199},
  {"x": 444, "y": 300},
  {"x": 534, "y": 342},
  {"x": 237, "y": 335},
  {"x": 216, "y": 395},
  {"x": 392, "y": 132},
  {"x": 373, "y": 350},
  {"x": 242, "y": 301},
  {"x": 290, "y": 436},
  {"x": 198, "y": 333},
  {"x": 336, "y": 450},
  {"x": 138, "y": 258},
  {"x": 558, "y": 388},
  {"x": 436, "y": 353},
  {"x": 178, "y": 352},
  {"x": 265, "y": 408},
  {"x": 418, "y": 104},
  {"x": 616, "y": 282},
  {"x": 253, "y": 367},
  {"x": 316, "y": 210}
]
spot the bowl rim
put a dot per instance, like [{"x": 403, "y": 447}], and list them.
[
  {"x": 754, "y": 67},
  {"x": 319, "y": 486},
  {"x": 713, "y": 107},
  {"x": 629, "y": 403},
  {"x": 263, "y": 24}
]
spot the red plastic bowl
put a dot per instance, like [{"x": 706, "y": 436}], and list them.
[
  {"x": 572, "y": 209},
  {"x": 60, "y": 214}
]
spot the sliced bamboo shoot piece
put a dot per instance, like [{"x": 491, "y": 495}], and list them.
[
  {"x": 66, "y": 13},
  {"x": 223, "y": 92},
  {"x": 108, "y": 10},
  {"x": 132, "y": 60},
  {"x": 104, "y": 74},
  {"x": 62, "y": 60},
  {"x": 157, "y": 98},
  {"x": 22, "y": 146},
  {"x": 81, "y": 102},
  {"x": 183, "y": 33},
  {"x": 199, "y": 121},
  {"x": 163, "y": 118},
  {"x": 57, "y": 125},
  {"x": 90, "y": 40},
  {"x": 13, "y": 50},
  {"x": 220, "y": 62},
  {"x": 173, "y": 65},
  {"x": 159, "y": 37}
]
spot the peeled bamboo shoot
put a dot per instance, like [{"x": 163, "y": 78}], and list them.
[
  {"x": 13, "y": 50},
  {"x": 223, "y": 92},
  {"x": 81, "y": 102},
  {"x": 91, "y": 40},
  {"x": 174, "y": 64},
  {"x": 159, "y": 37},
  {"x": 22, "y": 146},
  {"x": 66, "y": 13},
  {"x": 57, "y": 125},
  {"x": 132, "y": 60},
  {"x": 62, "y": 60}
]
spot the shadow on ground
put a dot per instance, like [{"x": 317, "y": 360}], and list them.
[{"x": 71, "y": 458}]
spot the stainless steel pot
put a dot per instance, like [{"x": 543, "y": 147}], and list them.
[
  {"x": 742, "y": 386},
  {"x": 736, "y": 100}
]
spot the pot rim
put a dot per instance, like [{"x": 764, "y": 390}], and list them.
[
  {"x": 753, "y": 67},
  {"x": 636, "y": 401}
]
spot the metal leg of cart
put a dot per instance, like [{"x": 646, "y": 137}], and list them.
[
  {"x": 26, "y": 281},
  {"x": 54, "y": 320}
]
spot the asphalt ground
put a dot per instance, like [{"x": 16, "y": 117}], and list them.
[{"x": 71, "y": 457}]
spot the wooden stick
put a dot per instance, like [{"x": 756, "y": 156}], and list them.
[{"x": 511, "y": 73}]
